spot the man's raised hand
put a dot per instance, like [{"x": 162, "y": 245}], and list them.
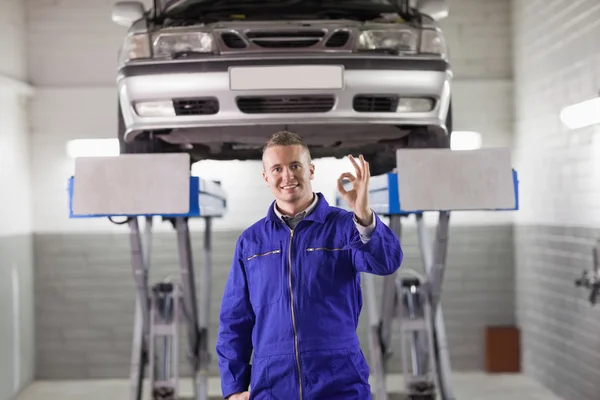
[{"x": 357, "y": 198}]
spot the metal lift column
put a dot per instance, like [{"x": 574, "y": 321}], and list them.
[
  {"x": 157, "y": 185},
  {"x": 428, "y": 181}
]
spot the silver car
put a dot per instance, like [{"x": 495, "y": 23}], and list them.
[{"x": 215, "y": 78}]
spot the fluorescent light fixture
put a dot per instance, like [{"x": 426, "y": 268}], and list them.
[
  {"x": 93, "y": 148},
  {"x": 465, "y": 140},
  {"x": 582, "y": 114}
]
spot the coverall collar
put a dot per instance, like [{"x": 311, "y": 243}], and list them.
[{"x": 315, "y": 212}]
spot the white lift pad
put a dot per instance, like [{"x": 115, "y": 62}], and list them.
[
  {"x": 142, "y": 185},
  {"x": 445, "y": 180}
]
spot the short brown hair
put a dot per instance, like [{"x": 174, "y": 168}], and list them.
[{"x": 287, "y": 138}]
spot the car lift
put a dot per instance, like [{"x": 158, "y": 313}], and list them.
[
  {"x": 432, "y": 180},
  {"x": 159, "y": 185},
  {"x": 138, "y": 186}
]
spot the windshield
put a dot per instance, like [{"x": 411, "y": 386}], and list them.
[{"x": 177, "y": 6}]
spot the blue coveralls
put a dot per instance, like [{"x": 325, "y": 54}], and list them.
[{"x": 294, "y": 298}]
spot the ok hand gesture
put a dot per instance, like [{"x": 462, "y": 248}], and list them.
[{"x": 358, "y": 197}]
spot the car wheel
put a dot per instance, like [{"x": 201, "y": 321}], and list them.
[
  {"x": 384, "y": 161},
  {"x": 432, "y": 139}
]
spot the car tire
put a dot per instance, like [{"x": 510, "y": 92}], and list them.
[
  {"x": 427, "y": 139},
  {"x": 384, "y": 161}
]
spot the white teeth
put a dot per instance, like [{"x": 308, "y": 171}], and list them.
[{"x": 289, "y": 187}]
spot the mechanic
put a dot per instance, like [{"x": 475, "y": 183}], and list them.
[{"x": 293, "y": 293}]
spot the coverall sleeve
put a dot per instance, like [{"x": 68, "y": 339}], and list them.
[
  {"x": 234, "y": 338},
  {"x": 381, "y": 255},
  {"x": 364, "y": 231}
]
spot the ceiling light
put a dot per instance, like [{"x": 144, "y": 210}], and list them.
[
  {"x": 582, "y": 114},
  {"x": 465, "y": 140}
]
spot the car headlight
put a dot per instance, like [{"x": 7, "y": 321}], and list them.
[
  {"x": 399, "y": 41},
  {"x": 171, "y": 44},
  {"x": 404, "y": 41},
  {"x": 433, "y": 42},
  {"x": 136, "y": 46}
]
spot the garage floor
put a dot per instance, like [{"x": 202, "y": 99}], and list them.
[{"x": 468, "y": 386}]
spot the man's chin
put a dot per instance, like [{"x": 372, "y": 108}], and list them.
[{"x": 290, "y": 195}]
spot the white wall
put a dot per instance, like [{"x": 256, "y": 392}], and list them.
[
  {"x": 15, "y": 210},
  {"x": 16, "y": 288},
  {"x": 557, "y": 63},
  {"x": 14, "y": 141},
  {"x": 13, "y": 63},
  {"x": 81, "y": 103}
]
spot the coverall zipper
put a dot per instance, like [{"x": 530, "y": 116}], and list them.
[{"x": 293, "y": 314}]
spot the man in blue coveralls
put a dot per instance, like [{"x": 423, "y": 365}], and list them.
[{"x": 293, "y": 294}]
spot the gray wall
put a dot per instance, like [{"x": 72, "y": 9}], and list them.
[
  {"x": 560, "y": 327},
  {"x": 17, "y": 350},
  {"x": 557, "y": 64},
  {"x": 85, "y": 292}
]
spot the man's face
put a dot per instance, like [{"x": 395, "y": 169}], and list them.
[{"x": 288, "y": 172}]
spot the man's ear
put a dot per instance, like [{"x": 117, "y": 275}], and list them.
[
  {"x": 312, "y": 171},
  {"x": 266, "y": 178}
]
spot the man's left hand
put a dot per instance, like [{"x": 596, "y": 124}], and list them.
[{"x": 358, "y": 197}]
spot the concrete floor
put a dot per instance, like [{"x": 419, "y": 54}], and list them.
[{"x": 467, "y": 386}]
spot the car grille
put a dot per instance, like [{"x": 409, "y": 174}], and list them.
[
  {"x": 233, "y": 40},
  {"x": 285, "y": 104},
  {"x": 284, "y": 39},
  {"x": 292, "y": 39},
  {"x": 364, "y": 103},
  {"x": 196, "y": 106},
  {"x": 338, "y": 39}
]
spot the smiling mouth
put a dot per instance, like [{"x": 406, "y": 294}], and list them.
[{"x": 289, "y": 187}]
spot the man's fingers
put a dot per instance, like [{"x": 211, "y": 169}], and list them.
[
  {"x": 340, "y": 185},
  {"x": 356, "y": 167},
  {"x": 348, "y": 175},
  {"x": 240, "y": 396},
  {"x": 366, "y": 169}
]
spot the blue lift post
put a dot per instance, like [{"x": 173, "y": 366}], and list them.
[
  {"x": 160, "y": 307},
  {"x": 412, "y": 297}
]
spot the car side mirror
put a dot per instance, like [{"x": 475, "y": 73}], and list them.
[
  {"x": 127, "y": 12},
  {"x": 436, "y": 9}
]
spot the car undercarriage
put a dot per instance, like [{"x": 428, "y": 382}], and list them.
[{"x": 216, "y": 79}]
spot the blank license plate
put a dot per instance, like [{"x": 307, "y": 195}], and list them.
[{"x": 287, "y": 77}]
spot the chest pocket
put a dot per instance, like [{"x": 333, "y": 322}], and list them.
[
  {"x": 328, "y": 271},
  {"x": 264, "y": 269}
]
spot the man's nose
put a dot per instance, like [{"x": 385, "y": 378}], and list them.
[{"x": 287, "y": 174}]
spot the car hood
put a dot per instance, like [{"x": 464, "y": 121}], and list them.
[{"x": 166, "y": 7}]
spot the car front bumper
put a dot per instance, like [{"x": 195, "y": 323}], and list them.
[{"x": 201, "y": 94}]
